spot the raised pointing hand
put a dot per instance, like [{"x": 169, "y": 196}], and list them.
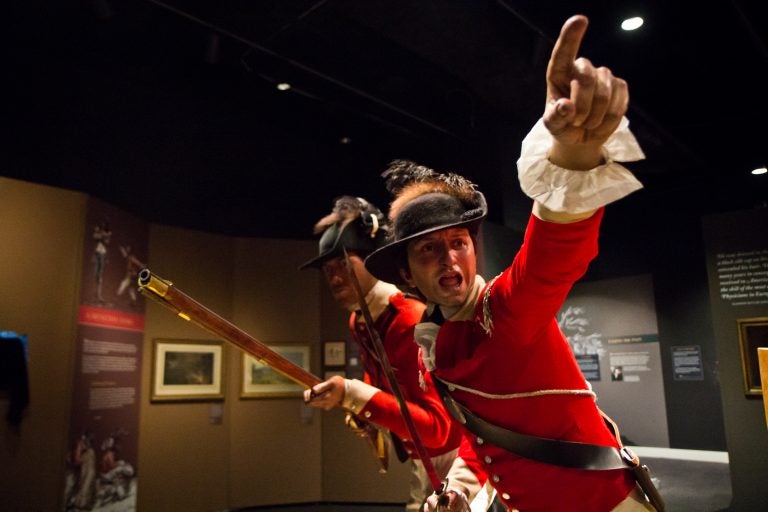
[{"x": 584, "y": 104}]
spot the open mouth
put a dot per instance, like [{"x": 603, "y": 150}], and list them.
[{"x": 450, "y": 280}]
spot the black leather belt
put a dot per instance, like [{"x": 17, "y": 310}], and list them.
[{"x": 567, "y": 454}]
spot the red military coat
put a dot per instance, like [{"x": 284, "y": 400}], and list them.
[
  {"x": 395, "y": 325},
  {"x": 526, "y": 352}
]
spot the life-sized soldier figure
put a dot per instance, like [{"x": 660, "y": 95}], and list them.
[
  {"x": 359, "y": 227},
  {"x": 494, "y": 348}
]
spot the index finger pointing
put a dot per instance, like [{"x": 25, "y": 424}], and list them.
[{"x": 567, "y": 47}]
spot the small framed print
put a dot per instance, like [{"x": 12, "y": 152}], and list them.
[
  {"x": 187, "y": 370},
  {"x": 334, "y": 353},
  {"x": 262, "y": 381},
  {"x": 753, "y": 334}
]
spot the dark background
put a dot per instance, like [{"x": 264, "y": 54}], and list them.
[{"x": 170, "y": 110}]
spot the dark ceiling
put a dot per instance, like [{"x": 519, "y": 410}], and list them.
[{"x": 170, "y": 109}]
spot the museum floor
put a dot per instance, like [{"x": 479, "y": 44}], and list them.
[{"x": 688, "y": 480}]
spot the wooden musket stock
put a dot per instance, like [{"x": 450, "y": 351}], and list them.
[{"x": 165, "y": 293}]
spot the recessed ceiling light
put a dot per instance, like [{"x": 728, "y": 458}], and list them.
[
  {"x": 283, "y": 86},
  {"x": 345, "y": 140},
  {"x": 760, "y": 170},
  {"x": 632, "y": 23}
]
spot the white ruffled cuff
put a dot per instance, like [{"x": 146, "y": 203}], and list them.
[
  {"x": 357, "y": 394},
  {"x": 564, "y": 190}
]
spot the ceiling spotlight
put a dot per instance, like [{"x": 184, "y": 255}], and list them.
[
  {"x": 632, "y": 23},
  {"x": 283, "y": 86},
  {"x": 760, "y": 170},
  {"x": 345, "y": 140}
]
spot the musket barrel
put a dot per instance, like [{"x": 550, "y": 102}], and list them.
[
  {"x": 144, "y": 276},
  {"x": 186, "y": 307},
  {"x": 165, "y": 293},
  {"x": 158, "y": 286}
]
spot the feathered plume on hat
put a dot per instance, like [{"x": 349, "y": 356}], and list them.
[
  {"x": 425, "y": 201},
  {"x": 345, "y": 210},
  {"x": 407, "y": 180},
  {"x": 353, "y": 224}
]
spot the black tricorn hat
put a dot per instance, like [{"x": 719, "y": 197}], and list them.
[
  {"x": 427, "y": 201},
  {"x": 354, "y": 224}
]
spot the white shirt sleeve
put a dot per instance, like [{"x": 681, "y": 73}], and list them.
[
  {"x": 357, "y": 394},
  {"x": 569, "y": 191}
]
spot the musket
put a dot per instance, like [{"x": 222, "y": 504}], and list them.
[
  {"x": 165, "y": 293},
  {"x": 437, "y": 485}
]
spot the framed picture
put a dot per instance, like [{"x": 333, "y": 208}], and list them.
[
  {"x": 261, "y": 381},
  {"x": 753, "y": 334},
  {"x": 762, "y": 357},
  {"x": 187, "y": 370},
  {"x": 334, "y": 353}
]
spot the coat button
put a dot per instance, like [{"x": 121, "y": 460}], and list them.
[
  {"x": 487, "y": 459},
  {"x": 495, "y": 478},
  {"x": 480, "y": 440},
  {"x": 451, "y": 388},
  {"x": 505, "y": 496},
  {"x": 367, "y": 414}
]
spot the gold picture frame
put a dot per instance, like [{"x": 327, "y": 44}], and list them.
[
  {"x": 187, "y": 370},
  {"x": 753, "y": 334},
  {"x": 260, "y": 381}
]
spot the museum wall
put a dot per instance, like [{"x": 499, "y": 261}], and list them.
[
  {"x": 41, "y": 229},
  {"x": 193, "y": 456},
  {"x": 737, "y": 263}
]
